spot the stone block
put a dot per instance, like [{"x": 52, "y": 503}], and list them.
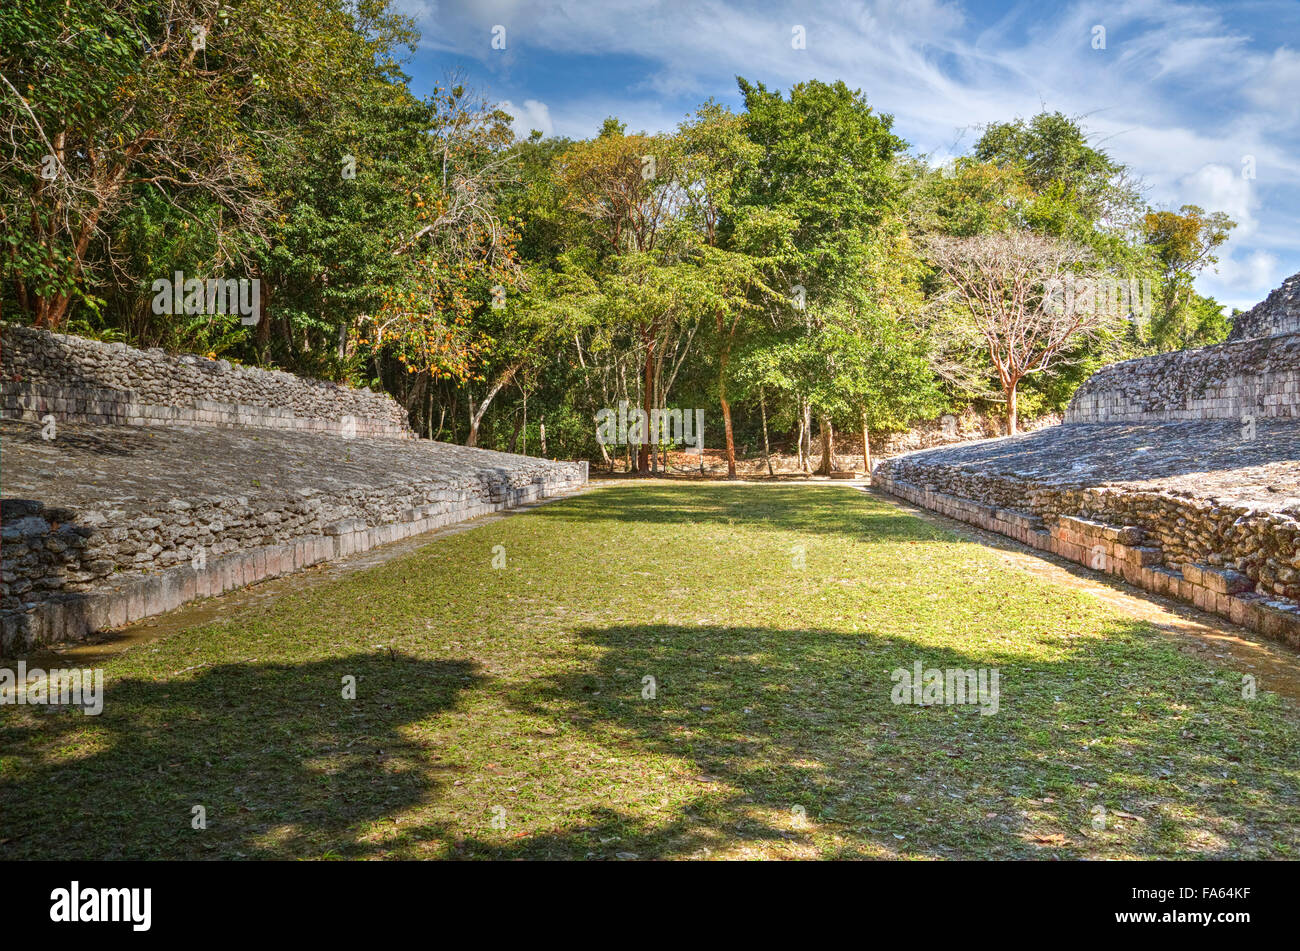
[{"x": 1225, "y": 580}]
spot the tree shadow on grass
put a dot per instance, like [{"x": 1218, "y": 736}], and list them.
[
  {"x": 283, "y": 765},
  {"x": 775, "y": 721},
  {"x": 826, "y": 510}
]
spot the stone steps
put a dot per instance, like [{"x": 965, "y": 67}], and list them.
[
  {"x": 73, "y": 616},
  {"x": 1118, "y": 550}
]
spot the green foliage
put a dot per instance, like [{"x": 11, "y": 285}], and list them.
[
  {"x": 826, "y": 166},
  {"x": 1183, "y": 243},
  {"x": 767, "y": 256},
  {"x": 1076, "y": 183}
]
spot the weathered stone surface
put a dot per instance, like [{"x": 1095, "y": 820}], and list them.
[
  {"x": 1246, "y": 378},
  {"x": 1155, "y": 476},
  {"x": 1193, "y": 491},
  {"x": 241, "y": 475},
  {"x": 1277, "y": 314},
  {"x": 96, "y": 510},
  {"x": 76, "y": 379}
]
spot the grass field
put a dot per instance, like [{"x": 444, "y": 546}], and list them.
[{"x": 499, "y": 712}]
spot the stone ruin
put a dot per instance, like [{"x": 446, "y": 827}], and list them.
[
  {"x": 1179, "y": 473},
  {"x": 135, "y": 481}
]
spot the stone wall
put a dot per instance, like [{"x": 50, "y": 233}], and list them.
[
  {"x": 1134, "y": 552},
  {"x": 167, "y": 478},
  {"x": 1262, "y": 546},
  {"x": 68, "y": 574},
  {"x": 1179, "y": 473},
  {"x": 1257, "y": 377},
  {"x": 1277, "y": 314},
  {"x": 80, "y": 380}
]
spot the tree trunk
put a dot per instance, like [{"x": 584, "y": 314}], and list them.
[
  {"x": 648, "y": 395},
  {"x": 767, "y": 450},
  {"x": 1012, "y": 421},
  {"x": 807, "y": 438},
  {"x": 726, "y": 416},
  {"x": 472, "y": 439},
  {"x": 476, "y": 413},
  {"x": 514, "y": 436},
  {"x": 609, "y": 460},
  {"x": 828, "y": 447},
  {"x": 866, "y": 445},
  {"x": 654, "y": 448}
]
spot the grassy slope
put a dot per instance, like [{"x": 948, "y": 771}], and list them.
[{"x": 521, "y": 689}]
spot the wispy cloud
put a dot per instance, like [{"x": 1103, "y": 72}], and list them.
[{"x": 1182, "y": 92}]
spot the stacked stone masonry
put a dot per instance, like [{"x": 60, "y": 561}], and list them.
[
  {"x": 108, "y": 523},
  {"x": 1276, "y": 315},
  {"x": 1126, "y": 552},
  {"x": 1257, "y": 378},
  {"x": 1178, "y": 473},
  {"x": 79, "y": 380}
]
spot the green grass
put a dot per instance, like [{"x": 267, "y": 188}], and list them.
[{"x": 516, "y": 694}]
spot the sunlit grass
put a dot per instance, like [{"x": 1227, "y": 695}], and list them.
[{"x": 500, "y": 713}]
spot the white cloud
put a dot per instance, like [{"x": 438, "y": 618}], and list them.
[
  {"x": 531, "y": 115},
  {"x": 1222, "y": 188},
  {"x": 1274, "y": 87},
  {"x": 1242, "y": 281},
  {"x": 1182, "y": 92},
  {"x": 423, "y": 12}
]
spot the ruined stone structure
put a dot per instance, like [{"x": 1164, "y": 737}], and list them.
[
  {"x": 80, "y": 380},
  {"x": 1277, "y": 315},
  {"x": 1179, "y": 473},
  {"x": 1256, "y": 377},
  {"x": 202, "y": 477}
]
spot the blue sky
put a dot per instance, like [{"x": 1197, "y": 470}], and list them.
[{"x": 1190, "y": 95}]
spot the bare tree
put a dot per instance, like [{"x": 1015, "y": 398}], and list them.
[{"x": 1007, "y": 291}]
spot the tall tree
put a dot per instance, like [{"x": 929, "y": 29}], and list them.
[
  {"x": 1000, "y": 287},
  {"x": 1183, "y": 243},
  {"x": 715, "y": 156},
  {"x": 827, "y": 173},
  {"x": 625, "y": 185}
]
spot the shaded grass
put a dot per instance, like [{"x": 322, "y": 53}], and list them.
[{"x": 500, "y": 712}]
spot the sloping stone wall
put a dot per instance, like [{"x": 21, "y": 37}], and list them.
[
  {"x": 1179, "y": 473},
  {"x": 103, "y": 526},
  {"x": 1257, "y": 538},
  {"x": 80, "y": 380},
  {"x": 1130, "y": 551},
  {"x": 165, "y": 479},
  {"x": 1277, "y": 314},
  {"x": 1256, "y": 377}
]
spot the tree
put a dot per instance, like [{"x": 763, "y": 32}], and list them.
[
  {"x": 624, "y": 185},
  {"x": 883, "y": 371},
  {"x": 818, "y": 196},
  {"x": 1072, "y": 179},
  {"x": 1183, "y": 243},
  {"x": 715, "y": 154},
  {"x": 107, "y": 100},
  {"x": 1001, "y": 287},
  {"x": 827, "y": 167}
]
